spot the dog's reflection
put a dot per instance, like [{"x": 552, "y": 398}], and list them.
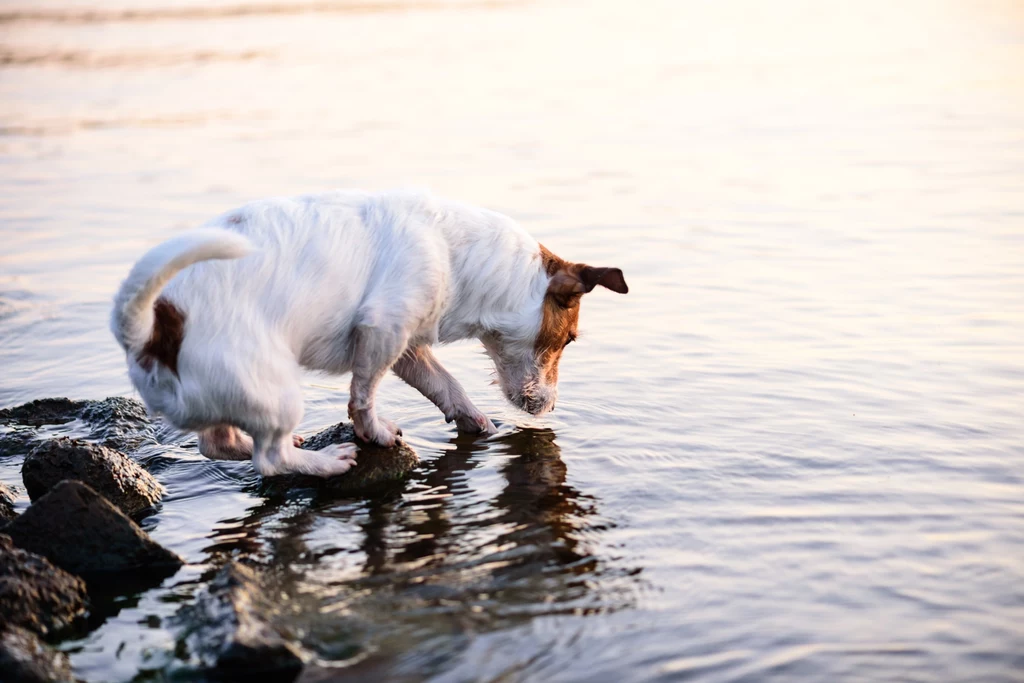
[
  {"x": 447, "y": 553},
  {"x": 538, "y": 517},
  {"x": 434, "y": 519}
]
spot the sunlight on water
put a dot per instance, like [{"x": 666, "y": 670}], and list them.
[{"x": 792, "y": 451}]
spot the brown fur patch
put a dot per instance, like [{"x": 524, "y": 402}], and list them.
[
  {"x": 165, "y": 341},
  {"x": 552, "y": 263},
  {"x": 561, "y": 313}
]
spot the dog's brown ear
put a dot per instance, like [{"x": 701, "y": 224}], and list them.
[
  {"x": 565, "y": 285},
  {"x": 611, "y": 278}
]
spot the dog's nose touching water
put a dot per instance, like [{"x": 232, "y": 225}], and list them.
[{"x": 378, "y": 382}]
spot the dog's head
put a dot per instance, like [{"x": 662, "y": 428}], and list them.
[{"x": 527, "y": 364}]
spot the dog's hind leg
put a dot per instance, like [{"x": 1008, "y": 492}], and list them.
[
  {"x": 275, "y": 453},
  {"x": 224, "y": 442},
  {"x": 374, "y": 351},
  {"x": 275, "y": 449}
]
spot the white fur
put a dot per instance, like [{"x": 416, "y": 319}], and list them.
[
  {"x": 339, "y": 282},
  {"x": 132, "y": 319}
]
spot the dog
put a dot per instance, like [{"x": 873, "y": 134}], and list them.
[{"x": 218, "y": 322}]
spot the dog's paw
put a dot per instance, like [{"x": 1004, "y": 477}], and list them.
[
  {"x": 390, "y": 426},
  {"x": 384, "y": 438},
  {"x": 297, "y": 440},
  {"x": 341, "y": 451},
  {"x": 476, "y": 423},
  {"x": 329, "y": 461},
  {"x": 379, "y": 432}
]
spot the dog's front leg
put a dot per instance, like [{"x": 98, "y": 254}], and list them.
[
  {"x": 374, "y": 351},
  {"x": 420, "y": 369}
]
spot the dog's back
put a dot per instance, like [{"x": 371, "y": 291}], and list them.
[{"x": 319, "y": 267}]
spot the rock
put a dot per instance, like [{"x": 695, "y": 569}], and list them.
[
  {"x": 375, "y": 467},
  {"x": 228, "y": 629},
  {"x": 116, "y": 422},
  {"x": 7, "y": 499},
  {"x": 44, "y": 411},
  {"x": 36, "y": 595},
  {"x": 25, "y": 659},
  {"x": 82, "y": 532},
  {"x": 114, "y": 475},
  {"x": 16, "y": 442}
]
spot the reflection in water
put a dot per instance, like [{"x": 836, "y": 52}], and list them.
[{"x": 372, "y": 581}]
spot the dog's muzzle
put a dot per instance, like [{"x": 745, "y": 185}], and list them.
[{"x": 538, "y": 403}]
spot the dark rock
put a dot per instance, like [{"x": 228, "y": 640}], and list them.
[
  {"x": 81, "y": 531},
  {"x": 116, "y": 422},
  {"x": 25, "y": 659},
  {"x": 7, "y": 499},
  {"x": 228, "y": 629},
  {"x": 36, "y": 595},
  {"x": 44, "y": 411},
  {"x": 114, "y": 475},
  {"x": 115, "y": 410},
  {"x": 17, "y": 442},
  {"x": 375, "y": 467},
  {"x": 343, "y": 432}
]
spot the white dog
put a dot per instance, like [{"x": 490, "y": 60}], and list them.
[{"x": 218, "y": 321}]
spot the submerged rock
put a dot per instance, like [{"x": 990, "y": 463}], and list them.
[
  {"x": 16, "y": 442},
  {"x": 25, "y": 659},
  {"x": 229, "y": 630},
  {"x": 7, "y": 497},
  {"x": 81, "y": 531},
  {"x": 111, "y": 473},
  {"x": 116, "y": 422},
  {"x": 36, "y": 595},
  {"x": 375, "y": 467}
]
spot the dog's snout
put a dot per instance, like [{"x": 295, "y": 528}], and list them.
[{"x": 538, "y": 405}]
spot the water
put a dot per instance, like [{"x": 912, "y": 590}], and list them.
[{"x": 793, "y": 451}]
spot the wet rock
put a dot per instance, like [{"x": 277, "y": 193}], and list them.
[
  {"x": 343, "y": 432},
  {"x": 43, "y": 411},
  {"x": 116, "y": 422},
  {"x": 229, "y": 630},
  {"x": 25, "y": 659},
  {"x": 82, "y": 532},
  {"x": 36, "y": 595},
  {"x": 7, "y": 499},
  {"x": 114, "y": 475},
  {"x": 375, "y": 467},
  {"x": 16, "y": 442}
]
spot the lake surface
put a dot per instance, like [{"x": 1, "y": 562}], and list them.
[{"x": 794, "y": 451}]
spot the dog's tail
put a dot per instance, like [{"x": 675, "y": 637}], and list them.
[{"x": 132, "y": 318}]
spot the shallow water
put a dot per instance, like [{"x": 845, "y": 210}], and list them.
[{"x": 794, "y": 450}]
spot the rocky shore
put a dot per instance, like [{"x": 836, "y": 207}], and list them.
[{"x": 81, "y": 529}]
